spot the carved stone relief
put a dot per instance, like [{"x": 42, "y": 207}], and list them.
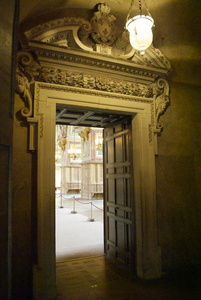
[
  {"x": 29, "y": 70},
  {"x": 26, "y": 70},
  {"x": 89, "y": 81},
  {"x": 161, "y": 97},
  {"x": 103, "y": 25},
  {"x": 69, "y": 33}
]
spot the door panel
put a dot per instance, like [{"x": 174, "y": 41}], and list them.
[{"x": 118, "y": 185}]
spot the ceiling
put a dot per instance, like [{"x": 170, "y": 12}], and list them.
[
  {"x": 177, "y": 29},
  {"x": 79, "y": 117}
]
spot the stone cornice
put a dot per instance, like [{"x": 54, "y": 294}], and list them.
[
  {"x": 81, "y": 81},
  {"x": 67, "y": 39},
  {"x": 95, "y": 61}
]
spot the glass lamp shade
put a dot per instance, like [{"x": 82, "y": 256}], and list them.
[{"x": 140, "y": 29}]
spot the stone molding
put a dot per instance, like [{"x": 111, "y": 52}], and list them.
[
  {"x": 119, "y": 66},
  {"x": 78, "y": 33},
  {"x": 40, "y": 30},
  {"x": 29, "y": 71}
]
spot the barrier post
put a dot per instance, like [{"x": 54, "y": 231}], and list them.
[
  {"x": 73, "y": 211},
  {"x": 91, "y": 219}
]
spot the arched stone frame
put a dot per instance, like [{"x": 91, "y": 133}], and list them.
[{"x": 47, "y": 96}]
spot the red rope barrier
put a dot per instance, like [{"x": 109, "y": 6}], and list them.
[
  {"x": 80, "y": 201},
  {"x": 97, "y": 207}
]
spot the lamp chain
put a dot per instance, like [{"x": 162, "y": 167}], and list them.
[
  {"x": 145, "y": 4},
  {"x": 129, "y": 11},
  {"x": 140, "y": 7}
]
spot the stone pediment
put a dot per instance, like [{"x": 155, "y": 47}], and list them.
[
  {"x": 77, "y": 55},
  {"x": 77, "y": 34}
]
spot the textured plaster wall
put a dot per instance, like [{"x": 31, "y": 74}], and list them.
[
  {"x": 6, "y": 127},
  {"x": 178, "y": 170},
  {"x": 23, "y": 208}
]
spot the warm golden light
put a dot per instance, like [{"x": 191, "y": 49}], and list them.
[{"x": 140, "y": 29}]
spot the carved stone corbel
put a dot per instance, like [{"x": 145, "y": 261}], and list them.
[
  {"x": 26, "y": 70},
  {"x": 23, "y": 88},
  {"x": 161, "y": 101}
]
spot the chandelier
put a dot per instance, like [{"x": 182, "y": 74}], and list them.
[
  {"x": 140, "y": 29},
  {"x": 74, "y": 152}
]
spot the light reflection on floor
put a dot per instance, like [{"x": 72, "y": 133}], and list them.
[{"x": 75, "y": 235}]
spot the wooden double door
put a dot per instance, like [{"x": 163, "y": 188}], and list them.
[{"x": 119, "y": 230}]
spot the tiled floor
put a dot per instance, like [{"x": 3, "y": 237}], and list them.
[{"x": 97, "y": 278}]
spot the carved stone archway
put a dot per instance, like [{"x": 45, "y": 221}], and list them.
[{"x": 84, "y": 77}]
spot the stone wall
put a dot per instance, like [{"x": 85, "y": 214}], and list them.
[
  {"x": 24, "y": 207},
  {"x": 178, "y": 170},
  {"x": 7, "y": 20}
]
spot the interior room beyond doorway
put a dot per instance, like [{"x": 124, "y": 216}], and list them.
[{"x": 78, "y": 192}]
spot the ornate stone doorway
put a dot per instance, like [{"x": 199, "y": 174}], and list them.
[
  {"x": 60, "y": 65},
  {"x": 147, "y": 249}
]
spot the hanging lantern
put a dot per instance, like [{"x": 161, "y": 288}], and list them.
[{"x": 140, "y": 29}]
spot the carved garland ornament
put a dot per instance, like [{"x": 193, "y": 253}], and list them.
[
  {"x": 29, "y": 70},
  {"x": 87, "y": 81}
]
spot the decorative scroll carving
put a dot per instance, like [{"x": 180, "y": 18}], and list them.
[
  {"x": 84, "y": 31},
  {"x": 26, "y": 70},
  {"x": 161, "y": 100},
  {"x": 103, "y": 26},
  {"x": 28, "y": 65},
  {"x": 23, "y": 88},
  {"x": 89, "y": 81}
]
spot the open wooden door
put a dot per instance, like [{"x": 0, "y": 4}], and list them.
[{"x": 118, "y": 195}]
